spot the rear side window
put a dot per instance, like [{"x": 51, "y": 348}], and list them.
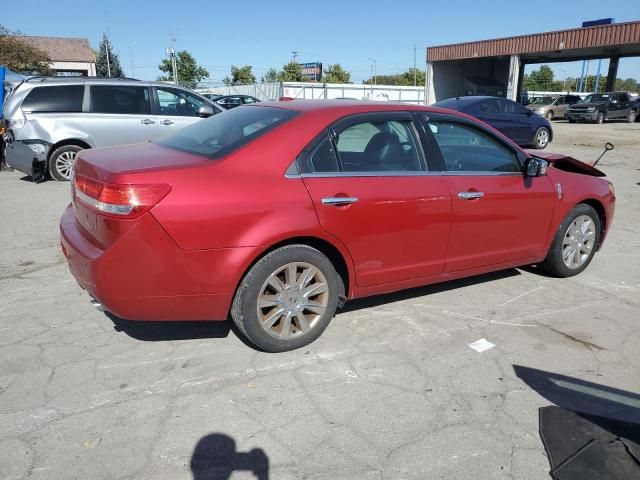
[
  {"x": 221, "y": 134},
  {"x": 54, "y": 99},
  {"x": 120, "y": 99}
]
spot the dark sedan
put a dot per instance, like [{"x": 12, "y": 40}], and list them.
[{"x": 512, "y": 119}]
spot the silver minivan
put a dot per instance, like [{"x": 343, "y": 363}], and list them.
[{"x": 50, "y": 119}]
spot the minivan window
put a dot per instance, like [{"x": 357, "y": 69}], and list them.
[
  {"x": 54, "y": 99},
  {"x": 221, "y": 134},
  {"x": 120, "y": 99}
]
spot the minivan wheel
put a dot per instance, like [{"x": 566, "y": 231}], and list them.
[
  {"x": 61, "y": 162},
  {"x": 287, "y": 298},
  {"x": 541, "y": 139},
  {"x": 549, "y": 115},
  {"x": 574, "y": 243}
]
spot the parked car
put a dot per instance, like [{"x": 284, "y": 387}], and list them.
[
  {"x": 277, "y": 213},
  {"x": 50, "y": 119},
  {"x": 599, "y": 107},
  {"x": 509, "y": 117},
  {"x": 232, "y": 101},
  {"x": 552, "y": 107}
]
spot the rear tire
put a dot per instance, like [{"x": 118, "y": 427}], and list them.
[
  {"x": 276, "y": 306},
  {"x": 61, "y": 162},
  {"x": 541, "y": 138},
  {"x": 575, "y": 243}
]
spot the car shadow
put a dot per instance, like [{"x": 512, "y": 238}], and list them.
[
  {"x": 215, "y": 458},
  {"x": 584, "y": 398},
  {"x": 385, "y": 298}
]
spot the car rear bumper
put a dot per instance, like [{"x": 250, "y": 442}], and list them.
[
  {"x": 591, "y": 116},
  {"x": 144, "y": 276},
  {"x": 21, "y": 157}
]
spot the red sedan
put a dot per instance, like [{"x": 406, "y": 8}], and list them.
[{"x": 277, "y": 213}]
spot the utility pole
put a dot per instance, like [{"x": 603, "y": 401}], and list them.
[
  {"x": 106, "y": 45},
  {"x": 133, "y": 72},
  {"x": 415, "y": 71},
  {"x": 295, "y": 56},
  {"x": 375, "y": 72},
  {"x": 171, "y": 51}
]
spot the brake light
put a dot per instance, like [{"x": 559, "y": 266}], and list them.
[{"x": 120, "y": 200}]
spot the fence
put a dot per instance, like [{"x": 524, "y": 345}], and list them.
[{"x": 316, "y": 91}]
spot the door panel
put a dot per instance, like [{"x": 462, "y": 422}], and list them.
[
  {"x": 509, "y": 222},
  {"x": 397, "y": 229},
  {"x": 107, "y": 130}
]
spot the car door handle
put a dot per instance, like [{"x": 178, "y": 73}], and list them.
[
  {"x": 470, "y": 195},
  {"x": 148, "y": 121},
  {"x": 338, "y": 201},
  {"x": 167, "y": 122}
]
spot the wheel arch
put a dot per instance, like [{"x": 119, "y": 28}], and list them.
[
  {"x": 334, "y": 254},
  {"x": 602, "y": 215},
  {"x": 69, "y": 141}
]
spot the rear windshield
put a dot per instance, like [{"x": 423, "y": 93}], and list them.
[{"x": 223, "y": 133}]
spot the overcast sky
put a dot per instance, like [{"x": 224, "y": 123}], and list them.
[{"x": 265, "y": 33}]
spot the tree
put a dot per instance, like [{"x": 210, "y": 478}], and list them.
[
  {"x": 112, "y": 67},
  {"x": 20, "y": 56},
  {"x": 270, "y": 77},
  {"x": 189, "y": 72},
  {"x": 291, "y": 72},
  {"x": 336, "y": 74},
  {"x": 540, "y": 80},
  {"x": 240, "y": 76},
  {"x": 403, "y": 79}
]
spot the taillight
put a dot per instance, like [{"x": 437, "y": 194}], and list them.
[{"x": 120, "y": 200}]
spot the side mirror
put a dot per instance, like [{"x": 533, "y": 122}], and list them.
[
  {"x": 536, "y": 167},
  {"x": 205, "y": 111}
]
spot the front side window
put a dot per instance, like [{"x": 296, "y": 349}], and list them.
[
  {"x": 379, "y": 146},
  {"x": 468, "y": 149},
  {"x": 175, "y": 102},
  {"x": 54, "y": 99},
  {"x": 120, "y": 99},
  {"x": 221, "y": 134}
]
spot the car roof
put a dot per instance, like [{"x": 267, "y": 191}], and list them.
[
  {"x": 37, "y": 81},
  {"x": 348, "y": 106}
]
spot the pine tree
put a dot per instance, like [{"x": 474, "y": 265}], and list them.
[{"x": 113, "y": 68}]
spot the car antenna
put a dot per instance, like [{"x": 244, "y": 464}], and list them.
[{"x": 607, "y": 146}]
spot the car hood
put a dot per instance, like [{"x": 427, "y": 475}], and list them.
[
  {"x": 568, "y": 164},
  {"x": 588, "y": 104}
]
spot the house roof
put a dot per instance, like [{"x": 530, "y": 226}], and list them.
[{"x": 64, "y": 49}]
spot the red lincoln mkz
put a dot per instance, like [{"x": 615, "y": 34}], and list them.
[{"x": 276, "y": 213}]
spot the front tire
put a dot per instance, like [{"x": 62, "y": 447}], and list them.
[
  {"x": 631, "y": 116},
  {"x": 600, "y": 118},
  {"x": 541, "y": 138},
  {"x": 61, "y": 162},
  {"x": 549, "y": 115},
  {"x": 574, "y": 243},
  {"x": 287, "y": 299}
]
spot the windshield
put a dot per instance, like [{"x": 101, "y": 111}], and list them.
[
  {"x": 223, "y": 133},
  {"x": 596, "y": 98},
  {"x": 543, "y": 101}
]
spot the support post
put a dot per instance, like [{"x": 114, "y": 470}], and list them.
[
  {"x": 429, "y": 88},
  {"x": 612, "y": 74},
  {"x": 581, "y": 84},
  {"x": 514, "y": 73}
]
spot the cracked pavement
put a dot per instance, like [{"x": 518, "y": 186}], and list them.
[{"x": 390, "y": 391}]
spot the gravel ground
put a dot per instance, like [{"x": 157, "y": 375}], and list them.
[{"x": 391, "y": 390}]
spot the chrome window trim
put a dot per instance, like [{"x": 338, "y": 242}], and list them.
[
  {"x": 481, "y": 174},
  {"x": 365, "y": 174}
]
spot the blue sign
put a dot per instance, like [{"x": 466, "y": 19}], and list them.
[
  {"x": 2, "y": 70},
  {"x": 312, "y": 71},
  {"x": 595, "y": 23}
]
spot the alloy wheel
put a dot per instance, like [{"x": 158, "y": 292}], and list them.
[
  {"x": 292, "y": 300},
  {"x": 579, "y": 241},
  {"x": 542, "y": 138},
  {"x": 64, "y": 163}
]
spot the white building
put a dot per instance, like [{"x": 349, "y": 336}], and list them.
[{"x": 70, "y": 56}]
